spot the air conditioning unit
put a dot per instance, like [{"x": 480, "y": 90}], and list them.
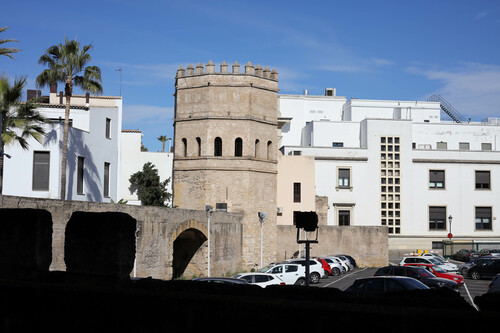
[{"x": 279, "y": 210}]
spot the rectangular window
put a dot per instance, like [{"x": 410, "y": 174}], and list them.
[
  {"x": 337, "y": 144},
  {"x": 485, "y": 146},
  {"x": 436, "y": 178},
  {"x": 437, "y": 218},
  {"x": 108, "y": 128},
  {"x": 482, "y": 179},
  {"x": 296, "y": 192},
  {"x": 483, "y": 218},
  {"x": 41, "y": 170},
  {"x": 442, "y": 145},
  {"x": 79, "y": 180},
  {"x": 344, "y": 217},
  {"x": 344, "y": 178},
  {"x": 106, "y": 180},
  {"x": 463, "y": 146}
]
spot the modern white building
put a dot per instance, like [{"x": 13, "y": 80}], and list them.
[
  {"x": 133, "y": 160},
  {"x": 93, "y": 152},
  {"x": 395, "y": 164}
]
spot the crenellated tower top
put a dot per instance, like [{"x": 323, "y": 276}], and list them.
[{"x": 209, "y": 68}]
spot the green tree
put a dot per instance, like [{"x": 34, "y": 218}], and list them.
[
  {"x": 66, "y": 62},
  {"x": 7, "y": 51},
  {"x": 19, "y": 121},
  {"x": 150, "y": 190}
]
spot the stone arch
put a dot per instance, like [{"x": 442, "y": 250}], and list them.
[{"x": 186, "y": 241}]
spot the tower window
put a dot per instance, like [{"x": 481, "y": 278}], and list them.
[
  {"x": 218, "y": 147},
  {"x": 184, "y": 147},
  {"x": 296, "y": 192},
  {"x": 198, "y": 141},
  {"x": 238, "y": 147}
]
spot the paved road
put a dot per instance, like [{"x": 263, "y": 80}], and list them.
[{"x": 471, "y": 289}]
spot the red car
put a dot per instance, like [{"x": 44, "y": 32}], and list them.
[
  {"x": 439, "y": 272},
  {"x": 326, "y": 267}
]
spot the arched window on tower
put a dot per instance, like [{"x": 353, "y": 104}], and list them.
[
  {"x": 238, "y": 147},
  {"x": 269, "y": 150},
  {"x": 184, "y": 147},
  {"x": 256, "y": 148},
  {"x": 218, "y": 147},
  {"x": 198, "y": 141}
]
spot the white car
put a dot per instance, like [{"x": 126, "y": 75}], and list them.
[
  {"x": 316, "y": 271},
  {"x": 341, "y": 262},
  {"x": 261, "y": 279},
  {"x": 345, "y": 260},
  {"x": 449, "y": 267},
  {"x": 288, "y": 273},
  {"x": 335, "y": 266}
]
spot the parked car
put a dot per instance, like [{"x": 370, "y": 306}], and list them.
[
  {"x": 316, "y": 271},
  {"x": 494, "y": 286},
  {"x": 341, "y": 262},
  {"x": 449, "y": 267},
  {"x": 384, "y": 284},
  {"x": 418, "y": 273},
  {"x": 465, "y": 255},
  {"x": 351, "y": 259},
  {"x": 462, "y": 269},
  {"x": 439, "y": 272},
  {"x": 487, "y": 268},
  {"x": 335, "y": 267},
  {"x": 325, "y": 265},
  {"x": 288, "y": 273},
  {"x": 345, "y": 260},
  {"x": 221, "y": 280},
  {"x": 489, "y": 252},
  {"x": 260, "y": 279}
]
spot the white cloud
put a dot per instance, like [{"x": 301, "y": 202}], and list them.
[
  {"x": 382, "y": 62},
  {"x": 472, "y": 88}
]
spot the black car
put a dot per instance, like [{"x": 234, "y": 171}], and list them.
[
  {"x": 487, "y": 268},
  {"x": 351, "y": 259},
  {"x": 494, "y": 286},
  {"x": 421, "y": 274},
  {"x": 383, "y": 284},
  {"x": 466, "y": 255}
]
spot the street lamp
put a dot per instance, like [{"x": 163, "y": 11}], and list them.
[
  {"x": 450, "y": 218},
  {"x": 209, "y": 210},
  {"x": 262, "y": 217}
]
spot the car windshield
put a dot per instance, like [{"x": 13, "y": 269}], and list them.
[
  {"x": 265, "y": 269},
  {"x": 415, "y": 284},
  {"x": 435, "y": 261},
  {"x": 438, "y": 269},
  {"x": 426, "y": 273}
]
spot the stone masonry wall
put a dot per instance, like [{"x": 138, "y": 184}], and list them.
[{"x": 367, "y": 245}]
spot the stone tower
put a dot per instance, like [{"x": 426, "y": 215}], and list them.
[{"x": 225, "y": 148}]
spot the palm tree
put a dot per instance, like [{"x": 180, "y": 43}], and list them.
[
  {"x": 66, "y": 63},
  {"x": 163, "y": 139},
  {"x": 7, "y": 51},
  {"x": 18, "y": 121}
]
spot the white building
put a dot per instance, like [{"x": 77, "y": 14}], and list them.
[
  {"x": 396, "y": 164},
  {"x": 93, "y": 152},
  {"x": 133, "y": 160}
]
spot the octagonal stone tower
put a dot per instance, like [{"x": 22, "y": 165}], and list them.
[{"x": 225, "y": 153}]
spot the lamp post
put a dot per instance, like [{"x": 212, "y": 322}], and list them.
[
  {"x": 209, "y": 211},
  {"x": 450, "y": 235},
  {"x": 262, "y": 217}
]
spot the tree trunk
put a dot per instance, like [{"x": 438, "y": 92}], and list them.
[{"x": 68, "y": 92}]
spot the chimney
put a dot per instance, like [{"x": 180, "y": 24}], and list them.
[
  {"x": 61, "y": 97},
  {"x": 330, "y": 92},
  {"x": 53, "y": 89},
  {"x": 31, "y": 93}
]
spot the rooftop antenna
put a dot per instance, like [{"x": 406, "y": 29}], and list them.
[{"x": 120, "y": 70}]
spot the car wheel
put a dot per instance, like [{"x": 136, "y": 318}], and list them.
[
  {"x": 314, "y": 278},
  {"x": 463, "y": 271},
  {"x": 300, "y": 282},
  {"x": 475, "y": 275},
  {"x": 335, "y": 271}
]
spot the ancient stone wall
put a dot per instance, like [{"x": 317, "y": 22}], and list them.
[
  {"x": 157, "y": 229},
  {"x": 367, "y": 245}
]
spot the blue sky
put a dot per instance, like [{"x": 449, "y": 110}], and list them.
[{"x": 397, "y": 50}]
